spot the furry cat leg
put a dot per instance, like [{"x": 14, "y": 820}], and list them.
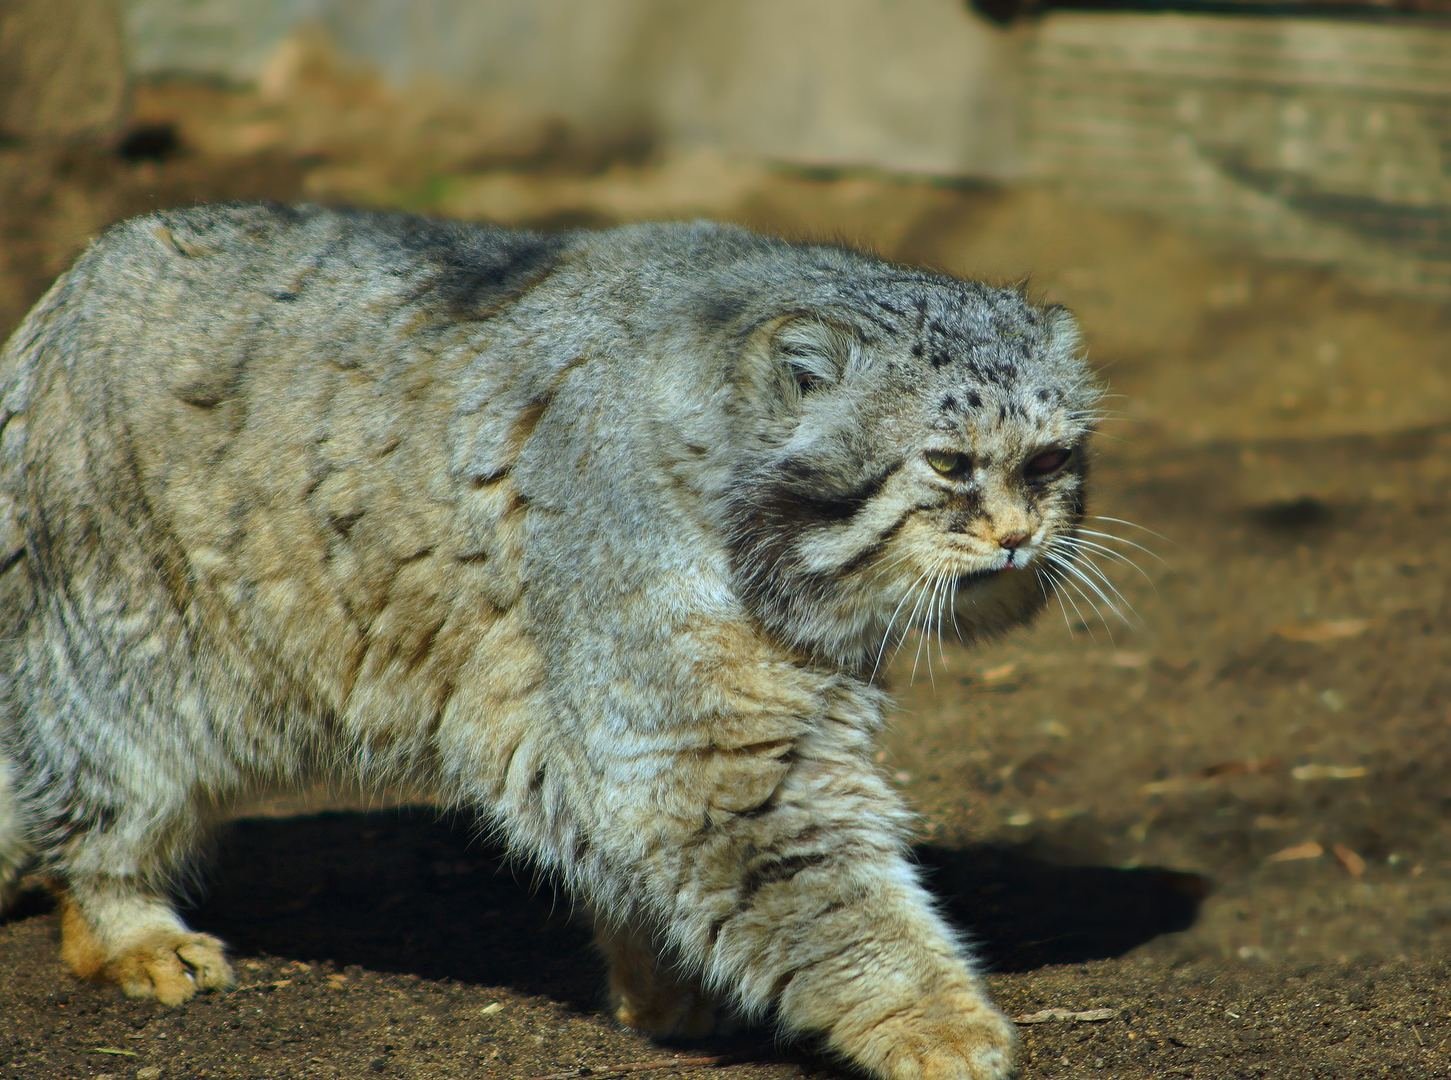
[
  {"x": 809, "y": 904},
  {"x": 777, "y": 871},
  {"x": 14, "y": 851},
  {"x": 109, "y": 790}
]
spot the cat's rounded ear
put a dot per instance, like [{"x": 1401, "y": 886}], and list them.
[
  {"x": 813, "y": 352},
  {"x": 1065, "y": 351},
  {"x": 791, "y": 357},
  {"x": 1063, "y": 331}
]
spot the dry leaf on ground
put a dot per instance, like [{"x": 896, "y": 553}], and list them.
[
  {"x": 1307, "y": 850},
  {"x": 1351, "y": 860},
  {"x": 1322, "y": 630}
]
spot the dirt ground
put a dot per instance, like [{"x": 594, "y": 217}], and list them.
[{"x": 1219, "y": 831}]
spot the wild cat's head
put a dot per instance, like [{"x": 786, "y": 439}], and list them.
[{"x": 917, "y": 459}]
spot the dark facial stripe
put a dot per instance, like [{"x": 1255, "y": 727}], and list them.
[
  {"x": 803, "y": 505},
  {"x": 879, "y": 542},
  {"x": 771, "y": 513}
]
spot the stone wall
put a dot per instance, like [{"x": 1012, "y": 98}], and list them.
[
  {"x": 1322, "y": 140},
  {"x": 917, "y": 86}
]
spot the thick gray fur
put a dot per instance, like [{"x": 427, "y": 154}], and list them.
[{"x": 601, "y": 535}]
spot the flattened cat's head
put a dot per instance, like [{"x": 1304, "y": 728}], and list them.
[{"x": 913, "y": 455}]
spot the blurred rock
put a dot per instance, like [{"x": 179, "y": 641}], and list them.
[{"x": 62, "y": 69}]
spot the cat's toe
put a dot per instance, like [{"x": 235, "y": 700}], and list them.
[
  {"x": 171, "y": 966},
  {"x": 956, "y": 1036}
]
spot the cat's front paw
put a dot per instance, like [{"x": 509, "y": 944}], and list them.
[
  {"x": 171, "y": 967},
  {"x": 956, "y": 1035},
  {"x": 168, "y": 963}
]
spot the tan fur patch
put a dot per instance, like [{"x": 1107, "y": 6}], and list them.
[{"x": 79, "y": 949}]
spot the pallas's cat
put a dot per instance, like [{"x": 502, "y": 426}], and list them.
[{"x": 600, "y": 535}]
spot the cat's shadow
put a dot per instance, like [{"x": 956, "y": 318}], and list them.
[{"x": 403, "y": 891}]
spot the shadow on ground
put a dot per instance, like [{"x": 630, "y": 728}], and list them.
[
  {"x": 1025, "y": 912},
  {"x": 404, "y": 891}
]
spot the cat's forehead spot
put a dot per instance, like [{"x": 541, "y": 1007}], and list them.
[
  {"x": 989, "y": 345},
  {"x": 1004, "y": 414},
  {"x": 987, "y": 384}
]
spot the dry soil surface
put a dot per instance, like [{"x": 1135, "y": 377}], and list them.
[{"x": 1214, "y": 834}]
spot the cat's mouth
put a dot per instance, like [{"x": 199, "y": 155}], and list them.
[
  {"x": 972, "y": 577},
  {"x": 1014, "y": 560}
]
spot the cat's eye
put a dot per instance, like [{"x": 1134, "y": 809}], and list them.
[
  {"x": 1043, "y": 465},
  {"x": 947, "y": 463}
]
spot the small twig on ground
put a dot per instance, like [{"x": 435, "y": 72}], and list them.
[
  {"x": 1077, "y": 1016},
  {"x": 633, "y": 1068}
]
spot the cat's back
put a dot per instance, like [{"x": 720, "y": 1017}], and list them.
[
  {"x": 261, "y": 403},
  {"x": 188, "y": 294},
  {"x": 208, "y": 361},
  {"x": 311, "y": 420}
]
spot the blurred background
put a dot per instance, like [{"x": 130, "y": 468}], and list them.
[{"x": 1213, "y": 827}]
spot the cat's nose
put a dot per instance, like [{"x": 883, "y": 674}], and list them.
[{"x": 1013, "y": 541}]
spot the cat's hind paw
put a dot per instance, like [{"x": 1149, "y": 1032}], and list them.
[{"x": 683, "y": 1014}]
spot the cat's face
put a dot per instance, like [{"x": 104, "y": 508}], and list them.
[{"x": 922, "y": 464}]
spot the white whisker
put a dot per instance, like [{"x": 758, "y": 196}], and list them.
[
  {"x": 1091, "y": 567},
  {"x": 912, "y": 623},
  {"x": 887, "y": 634},
  {"x": 1121, "y": 540},
  {"x": 943, "y": 596},
  {"x": 1078, "y": 543},
  {"x": 1080, "y": 579},
  {"x": 1059, "y": 586},
  {"x": 1051, "y": 589},
  {"x": 952, "y": 606},
  {"x": 1101, "y": 597},
  {"x": 1132, "y": 525}
]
